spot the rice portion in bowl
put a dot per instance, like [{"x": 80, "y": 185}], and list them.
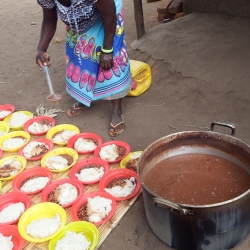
[
  {"x": 2, "y": 133},
  {"x": 14, "y": 142},
  {"x": 4, "y": 113},
  {"x": 35, "y": 149},
  {"x": 44, "y": 227},
  {"x": 18, "y": 120},
  {"x": 73, "y": 240},
  {"x": 10, "y": 167},
  {"x": 12, "y": 212},
  {"x": 90, "y": 173},
  {"x": 63, "y": 136},
  {"x": 58, "y": 162},
  {"x": 6, "y": 242},
  {"x": 84, "y": 145},
  {"x": 34, "y": 184},
  {"x": 40, "y": 126}
]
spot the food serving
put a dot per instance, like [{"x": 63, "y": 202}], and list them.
[
  {"x": 40, "y": 126},
  {"x": 90, "y": 173},
  {"x": 85, "y": 145},
  {"x": 131, "y": 160},
  {"x": 6, "y": 110},
  {"x": 63, "y": 136},
  {"x": 4, "y": 113},
  {"x": 112, "y": 152},
  {"x": 12, "y": 212},
  {"x": 34, "y": 184},
  {"x": 17, "y": 119},
  {"x": 6, "y": 242},
  {"x": 10, "y": 167},
  {"x": 35, "y": 149}
]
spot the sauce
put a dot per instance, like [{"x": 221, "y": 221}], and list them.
[{"x": 197, "y": 179}]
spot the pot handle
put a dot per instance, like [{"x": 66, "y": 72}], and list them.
[
  {"x": 159, "y": 202},
  {"x": 224, "y": 124}
]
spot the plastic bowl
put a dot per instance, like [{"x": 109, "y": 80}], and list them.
[
  {"x": 13, "y": 134},
  {"x": 125, "y": 160},
  {"x": 117, "y": 143},
  {"x": 38, "y": 212},
  {"x": 49, "y": 143},
  {"x": 50, "y": 134},
  {"x": 12, "y": 230},
  {"x": 84, "y": 199},
  {"x": 19, "y": 158},
  {"x": 11, "y": 198},
  {"x": 7, "y": 119},
  {"x": 28, "y": 173},
  {"x": 86, "y": 162},
  {"x": 1, "y": 153},
  {"x": 60, "y": 151},
  {"x": 36, "y": 119},
  {"x": 90, "y": 232},
  {"x": 120, "y": 173},
  {"x": 93, "y": 136},
  {"x": 54, "y": 185},
  {"x": 7, "y": 107},
  {"x": 4, "y": 127}
]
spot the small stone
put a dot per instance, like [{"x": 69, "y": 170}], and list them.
[{"x": 33, "y": 23}]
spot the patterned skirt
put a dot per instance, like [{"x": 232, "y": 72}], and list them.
[{"x": 86, "y": 81}]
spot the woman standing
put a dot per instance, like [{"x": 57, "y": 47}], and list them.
[{"x": 97, "y": 64}]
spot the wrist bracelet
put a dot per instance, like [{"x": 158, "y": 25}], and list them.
[{"x": 107, "y": 51}]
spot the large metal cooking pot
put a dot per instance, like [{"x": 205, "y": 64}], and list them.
[{"x": 188, "y": 227}]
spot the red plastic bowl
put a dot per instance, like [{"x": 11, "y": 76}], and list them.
[
  {"x": 7, "y": 107},
  {"x": 44, "y": 140},
  {"x": 120, "y": 173},
  {"x": 84, "y": 199},
  {"x": 117, "y": 143},
  {"x": 1, "y": 153},
  {"x": 11, "y": 198},
  {"x": 12, "y": 230},
  {"x": 26, "y": 174},
  {"x": 36, "y": 119},
  {"x": 74, "y": 138},
  {"x": 86, "y": 162},
  {"x": 54, "y": 185}
]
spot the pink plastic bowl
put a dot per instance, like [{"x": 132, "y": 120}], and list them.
[
  {"x": 120, "y": 173},
  {"x": 93, "y": 136},
  {"x": 117, "y": 143},
  {"x": 7, "y": 107},
  {"x": 44, "y": 140},
  {"x": 86, "y": 162},
  {"x": 54, "y": 185},
  {"x": 36, "y": 119},
  {"x": 1, "y": 153},
  {"x": 26, "y": 174},
  {"x": 84, "y": 199}
]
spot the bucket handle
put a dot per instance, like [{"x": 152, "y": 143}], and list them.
[
  {"x": 224, "y": 124},
  {"x": 159, "y": 202}
]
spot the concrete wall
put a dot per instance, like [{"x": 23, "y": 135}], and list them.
[{"x": 231, "y": 7}]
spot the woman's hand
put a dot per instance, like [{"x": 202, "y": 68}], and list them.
[
  {"x": 106, "y": 61},
  {"x": 42, "y": 58}
]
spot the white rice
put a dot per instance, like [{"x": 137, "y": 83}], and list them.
[
  {"x": 13, "y": 143},
  {"x": 98, "y": 208},
  {"x": 44, "y": 227},
  {"x": 36, "y": 128},
  {"x": 30, "y": 147},
  {"x": 109, "y": 152},
  {"x": 135, "y": 155},
  {"x": 12, "y": 212},
  {"x": 126, "y": 190},
  {"x": 83, "y": 145},
  {"x": 73, "y": 241},
  {"x": 4, "y": 113},
  {"x": 2, "y": 133},
  {"x": 15, "y": 164},
  {"x": 68, "y": 193},
  {"x": 56, "y": 162},
  {"x": 6, "y": 242},
  {"x": 34, "y": 184},
  {"x": 63, "y": 136},
  {"x": 90, "y": 174},
  {"x": 18, "y": 119}
]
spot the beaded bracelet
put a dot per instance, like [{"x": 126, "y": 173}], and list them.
[{"x": 107, "y": 51}]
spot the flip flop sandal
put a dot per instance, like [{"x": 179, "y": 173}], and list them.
[
  {"x": 113, "y": 127},
  {"x": 74, "y": 111}
]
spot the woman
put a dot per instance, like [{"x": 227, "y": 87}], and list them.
[{"x": 96, "y": 53}]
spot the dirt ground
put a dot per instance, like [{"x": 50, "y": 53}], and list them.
[{"x": 176, "y": 101}]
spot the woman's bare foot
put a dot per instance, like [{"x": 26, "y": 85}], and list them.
[{"x": 75, "y": 109}]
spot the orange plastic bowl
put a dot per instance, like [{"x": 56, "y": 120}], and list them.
[
  {"x": 36, "y": 119},
  {"x": 86, "y": 162},
  {"x": 117, "y": 143},
  {"x": 11, "y": 198},
  {"x": 54, "y": 185},
  {"x": 74, "y": 138},
  {"x": 120, "y": 173},
  {"x": 12, "y": 230},
  {"x": 84, "y": 199},
  {"x": 26, "y": 174},
  {"x": 7, "y": 107},
  {"x": 48, "y": 142}
]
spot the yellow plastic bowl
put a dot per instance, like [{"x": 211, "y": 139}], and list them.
[
  {"x": 4, "y": 127},
  {"x": 60, "y": 151},
  {"x": 11, "y": 135},
  {"x": 125, "y": 160},
  {"x": 50, "y": 134},
  {"x": 38, "y": 212},
  {"x": 90, "y": 231},
  {"x": 7, "y": 119},
  {"x": 0, "y": 185},
  {"x": 20, "y": 159}
]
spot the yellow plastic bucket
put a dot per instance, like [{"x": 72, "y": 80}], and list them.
[{"x": 141, "y": 74}]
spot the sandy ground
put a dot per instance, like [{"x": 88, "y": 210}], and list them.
[{"x": 175, "y": 102}]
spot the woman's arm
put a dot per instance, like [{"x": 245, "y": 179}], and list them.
[{"x": 47, "y": 32}]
